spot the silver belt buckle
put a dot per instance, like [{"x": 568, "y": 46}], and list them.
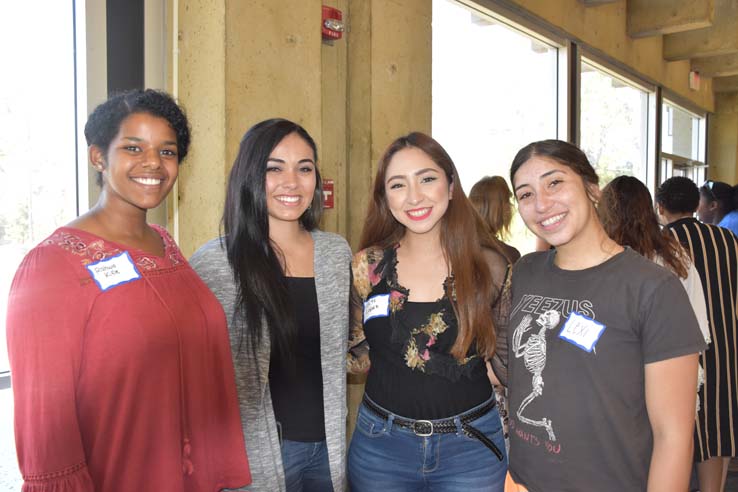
[{"x": 423, "y": 422}]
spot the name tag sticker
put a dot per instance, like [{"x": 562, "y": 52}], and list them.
[
  {"x": 113, "y": 271},
  {"x": 376, "y": 307},
  {"x": 582, "y": 331}
]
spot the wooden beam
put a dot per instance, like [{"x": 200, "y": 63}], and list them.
[
  {"x": 719, "y": 39},
  {"x": 725, "y": 84},
  {"x": 655, "y": 17},
  {"x": 716, "y": 66},
  {"x": 592, "y": 3}
]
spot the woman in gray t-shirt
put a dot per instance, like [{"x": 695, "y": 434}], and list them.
[{"x": 603, "y": 345}]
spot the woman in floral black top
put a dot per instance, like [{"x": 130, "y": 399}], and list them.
[{"x": 431, "y": 300}]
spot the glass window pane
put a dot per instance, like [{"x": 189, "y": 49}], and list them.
[
  {"x": 680, "y": 134},
  {"x": 37, "y": 133},
  {"x": 494, "y": 91},
  {"x": 614, "y": 125},
  {"x": 38, "y": 190}
]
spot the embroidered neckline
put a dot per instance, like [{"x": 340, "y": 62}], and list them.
[{"x": 91, "y": 248}]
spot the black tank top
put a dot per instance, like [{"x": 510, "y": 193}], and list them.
[{"x": 297, "y": 388}]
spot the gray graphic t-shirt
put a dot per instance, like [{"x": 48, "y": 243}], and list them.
[{"x": 578, "y": 343}]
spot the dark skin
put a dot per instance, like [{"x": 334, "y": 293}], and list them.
[{"x": 139, "y": 169}]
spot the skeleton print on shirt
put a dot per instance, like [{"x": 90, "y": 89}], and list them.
[
  {"x": 544, "y": 315},
  {"x": 533, "y": 352}
]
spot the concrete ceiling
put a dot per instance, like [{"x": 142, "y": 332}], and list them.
[{"x": 702, "y": 31}]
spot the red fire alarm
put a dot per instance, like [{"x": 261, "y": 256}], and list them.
[
  {"x": 332, "y": 23},
  {"x": 327, "y": 193}
]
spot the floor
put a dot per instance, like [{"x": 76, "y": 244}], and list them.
[{"x": 731, "y": 484}]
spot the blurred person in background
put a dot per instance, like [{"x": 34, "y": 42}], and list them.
[
  {"x": 718, "y": 204},
  {"x": 714, "y": 253},
  {"x": 493, "y": 200}
]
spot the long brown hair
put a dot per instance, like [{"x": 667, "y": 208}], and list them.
[
  {"x": 627, "y": 214},
  {"x": 462, "y": 237},
  {"x": 493, "y": 200}
]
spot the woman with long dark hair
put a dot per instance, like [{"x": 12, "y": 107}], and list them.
[
  {"x": 122, "y": 378},
  {"x": 285, "y": 287},
  {"x": 627, "y": 214},
  {"x": 429, "y": 306},
  {"x": 604, "y": 344}
]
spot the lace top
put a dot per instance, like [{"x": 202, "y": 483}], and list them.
[{"x": 425, "y": 346}]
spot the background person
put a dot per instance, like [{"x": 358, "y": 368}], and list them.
[
  {"x": 493, "y": 200},
  {"x": 714, "y": 252},
  {"x": 718, "y": 203},
  {"x": 603, "y": 344},
  {"x": 285, "y": 287},
  {"x": 627, "y": 214},
  {"x": 122, "y": 378},
  {"x": 428, "y": 304}
]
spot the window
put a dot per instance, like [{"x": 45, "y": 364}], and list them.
[
  {"x": 495, "y": 89},
  {"x": 614, "y": 124},
  {"x": 38, "y": 189},
  {"x": 682, "y": 143},
  {"x": 38, "y": 157}
]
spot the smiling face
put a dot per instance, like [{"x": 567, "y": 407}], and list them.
[
  {"x": 417, "y": 191},
  {"x": 554, "y": 201},
  {"x": 141, "y": 164},
  {"x": 290, "y": 180}
]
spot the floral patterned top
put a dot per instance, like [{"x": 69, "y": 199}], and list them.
[{"x": 425, "y": 346}]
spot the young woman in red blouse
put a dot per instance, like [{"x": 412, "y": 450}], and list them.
[{"x": 121, "y": 366}]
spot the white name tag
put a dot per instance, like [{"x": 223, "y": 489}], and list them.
[
  {"x": 582, "y": 331},
  {"x": 376, "y": 307},
  {"x": 114, "y": 271}
]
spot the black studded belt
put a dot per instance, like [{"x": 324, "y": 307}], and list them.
[{"x": 426, "y": 428}]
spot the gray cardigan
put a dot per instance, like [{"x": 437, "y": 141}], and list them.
[{"x": 332, "y": 259}]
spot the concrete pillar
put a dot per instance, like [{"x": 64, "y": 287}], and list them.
[
  {"x": 723, "y": 139},
  {"x": 201, "y": 84},
  {"x": 389, "y": 87},
  {"x": 334, "y": 163},
  {"x": 240, "y": 61}
]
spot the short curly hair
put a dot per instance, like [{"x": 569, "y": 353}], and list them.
[
  {"x": 104, "y": 123},
  {"x": 678, "y": 195}
]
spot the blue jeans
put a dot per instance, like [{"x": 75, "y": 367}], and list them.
[
  {"x": 393, "y": 459},
  {"x": 306, "y": 466}
]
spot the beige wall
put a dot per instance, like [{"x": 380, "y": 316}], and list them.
[
  {"x": 201, "y": 89},
  {"x": 241, "y": 61},
  {"x": 723, "y": 139}
]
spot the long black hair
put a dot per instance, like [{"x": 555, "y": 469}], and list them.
[{"x": 262, "y": 294}]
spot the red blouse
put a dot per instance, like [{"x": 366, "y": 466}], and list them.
[{"x": 125, "y": 389}]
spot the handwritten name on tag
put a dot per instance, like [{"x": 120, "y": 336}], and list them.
[
  {"x": 582, "y": 331},
  {"x": 376, "y": 307},
  {"x": 113, "y": 271}
]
